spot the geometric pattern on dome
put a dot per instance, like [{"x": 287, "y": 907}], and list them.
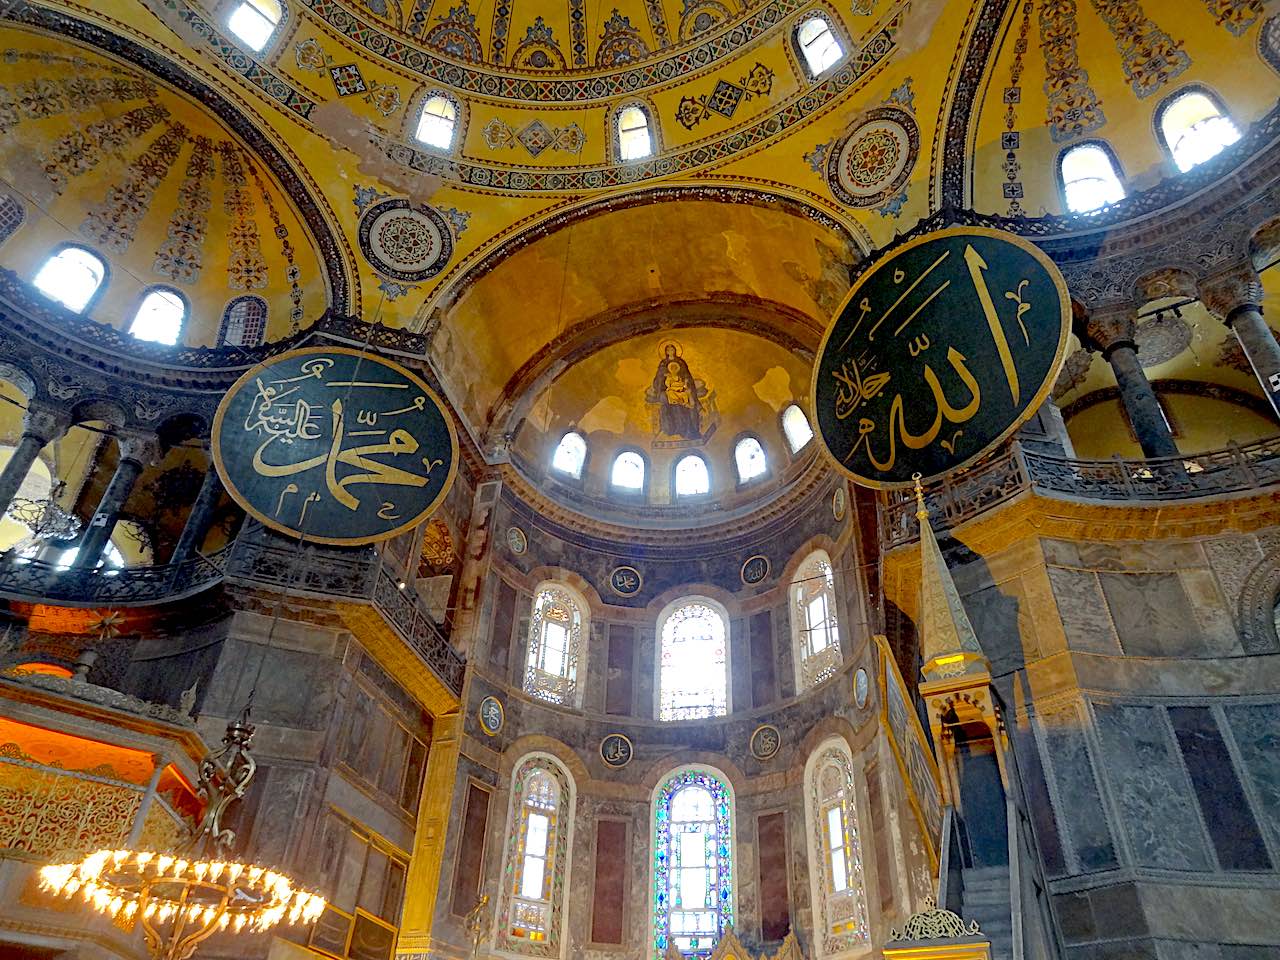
[
  {"x": 539, "y": 50},
  {"x": 620, "y": 42},
  {"x": 1074, "y": 108},
  {"x": 405, "y": 242},
  {"x": 1149, "y": 57},
  {"x": 874, "y": 161}
]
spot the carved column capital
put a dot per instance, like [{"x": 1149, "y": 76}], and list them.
[
  {"x": 45, "y": 422},
  {"x": 1236, "y": 289},
  {"x": 139, "y": 446},
  {"x": 1106, "y": 328}
]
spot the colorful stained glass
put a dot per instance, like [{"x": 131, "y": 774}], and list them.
[
  {"x": 692, "y": 863},
  {"x": 533, "y": 877},
  {"x": 693, "y": 676},
  {"x": 838, "y": 855}
]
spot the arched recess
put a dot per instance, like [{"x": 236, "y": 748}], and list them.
[
  {"x": 609, "y": 261},
  {"x": 1257, "y": 606}
]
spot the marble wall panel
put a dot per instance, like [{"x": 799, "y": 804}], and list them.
[
  {"x": 1083, "y": 610},
  {"x": 1152, "y": 615},
  {"x": 1256, "y": 731},
  {"x": 1150, "y": 787},
  {"x": 1073, "y": 788}
]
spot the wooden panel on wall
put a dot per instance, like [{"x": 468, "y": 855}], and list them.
[
  {"x": 619, "y": 686},
  {"x": 763, "y": 678},
  {"x": 504, "y": 612},
  {"x": 775, "y": 891},
  {"x": 610, "y": 892},
  {"x": 469, "y": 871}
]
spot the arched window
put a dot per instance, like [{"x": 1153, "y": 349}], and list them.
[
  {"x": 693, "y": 851},
  {"x": 628, "y": 471},
  {"x": 748, "y": 457},
  {"x": 539, "y": 835},
  {"x": 635, "y": 142},
  {"x": 818, "y": 44},
  {"x": 693, "y": 664},
  {"x": 72, "y": 276},
  {"x": 839, "y": 897},
  {"x": 254, "y": 21},
  {"x": 795, "y": 425},
  {"x": 244, "y": 323},
  {"x": 437, "y": 121},
  {"x": 556, "y": 628},
  {"x": 692, "y": 478},
  {"x": 815, "y": 625},
  {"x": 1195, "y": 128},
  {"x": 571, "y": 454},
  {"x": 1089, "y": 178},
  {"x": 160, "y": 316}
]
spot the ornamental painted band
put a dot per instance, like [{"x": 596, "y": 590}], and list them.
[
  {"x": 335, "y": 445},
  {"x": 943, "y": 348}
]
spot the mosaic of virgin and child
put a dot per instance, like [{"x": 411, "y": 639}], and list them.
[{"x": 685, "y": 406}]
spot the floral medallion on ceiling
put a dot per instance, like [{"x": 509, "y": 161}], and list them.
[
  {"x": 873, "y": 162},
  {"x": 403, "y": 241}
]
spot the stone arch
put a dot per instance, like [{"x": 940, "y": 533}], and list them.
[{"x": 1257, "y": 606}]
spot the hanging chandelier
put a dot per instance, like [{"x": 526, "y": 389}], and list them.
[
  {"x": 45, "y": 518},
  {"x": 183, "y": 898}
]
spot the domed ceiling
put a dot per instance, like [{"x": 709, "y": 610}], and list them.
[
  {"x": 527, "y": 246},
  {"x": 105, "y": 154}
]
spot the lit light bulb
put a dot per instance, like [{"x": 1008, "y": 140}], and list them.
[
  {"x": 233, "y": 872},
  {"x": 254, "y": 874},
  {"x": 224, "y": 921},
  {"x": 180, "y": 867},
  {"x": 149, "y": 910},
  {"x": 163, "y": 864},
  {"x": 130, "y": 909},
  {"x": 199, "y": 868},
  {"x": 241, "y": 920},
  {"x": 145, "y": 857},
  {"x": 208, "y": 916},
  {"x": 216, "y": 870}
]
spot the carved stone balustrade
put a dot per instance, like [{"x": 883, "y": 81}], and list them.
[
  {"x": 1016, "y": 471},
  {"x": 36, "y": 580}
]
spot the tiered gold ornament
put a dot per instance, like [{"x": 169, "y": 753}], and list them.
[{"x": 184, "y": 897}]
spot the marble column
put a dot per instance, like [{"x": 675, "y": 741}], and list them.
[
  {"x": 136, "y": 451},
  {"x": 40, "y": 426},
  {"x": 1111, "y": 330},
  {"x": 1235, "y": 298},
  {"x": 200, "y": 519}
]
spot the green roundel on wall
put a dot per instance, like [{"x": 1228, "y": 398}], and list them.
[
  {"x": 334, "y": 445},
  {"x": 943, "y": 348}
]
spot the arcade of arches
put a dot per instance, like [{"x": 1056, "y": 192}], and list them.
[{"x": 653, "y": 680}]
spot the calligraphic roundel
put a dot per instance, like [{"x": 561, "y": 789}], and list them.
[
  {"x": 334, "y": 445},
  {"x": 943, "y": 348}
]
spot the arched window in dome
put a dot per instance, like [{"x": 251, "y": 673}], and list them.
[
  {"x": 693, "y": 662},
  {"x": 556, "y": 627},
  {"x": 571, "y": 455},
  {"x": 635, "y": 139},
  {"x": 795, "y": 426},
  {"x": 244, "y": 322},
  {"x": 627, "y": 474},
  {"x": 1195, "y": 127},
  {"x": 839, "y": 894},
  {"x": 815, "y": 624},
  {"x": 693, "y": 856},
  {"x": 539, "y": 834},
  {"x": 1089, "y": 178},
  {"x": 818, "y": 44},
  {"x": 437, "y": 122},
  {"x": 72, "y": 276},
  {"x": 160, "y": 316},
  {"x": 749, "y": 458},
  {"x": 692, "y": 479},
  {"x": 254, "y": 21}
]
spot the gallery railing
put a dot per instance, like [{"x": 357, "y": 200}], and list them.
[
  {"x": 108, "y": 586},
  {"x": 354, "y": 575},
  {"x": 952, "y": 501}
]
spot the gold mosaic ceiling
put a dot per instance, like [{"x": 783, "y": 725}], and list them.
[{"x": 530, "y": 237}]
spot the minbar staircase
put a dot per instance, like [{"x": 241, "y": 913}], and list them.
[{"x": 986, "y": 900}]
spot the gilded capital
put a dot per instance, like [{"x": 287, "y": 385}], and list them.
[
  {"x": 1229, "y": 292},
  {"x": 1106, "y": 328}
]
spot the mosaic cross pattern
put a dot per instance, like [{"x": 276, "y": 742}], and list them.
[{"x": 725, "y": 97}]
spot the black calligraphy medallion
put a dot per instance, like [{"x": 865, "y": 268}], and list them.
[
  {"x": 334, "y": 446},
  {"x": 943, "y": 348},
  {"x": 625, "y": 581},
  {"x": 754, "y": 570},
  {"x": 616, "y": 750}
]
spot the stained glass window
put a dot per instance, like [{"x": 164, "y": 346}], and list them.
[
  {"x": 555, "y": 642},
  {"x": 537, "y": 858},
  {"x": 815, "y": 623},
  {"x": 796, "y": 427},
  {"x": 693, "y": 675},
  {"x": 837, "y": 856},
  {"x": 692, "y": 862}
]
